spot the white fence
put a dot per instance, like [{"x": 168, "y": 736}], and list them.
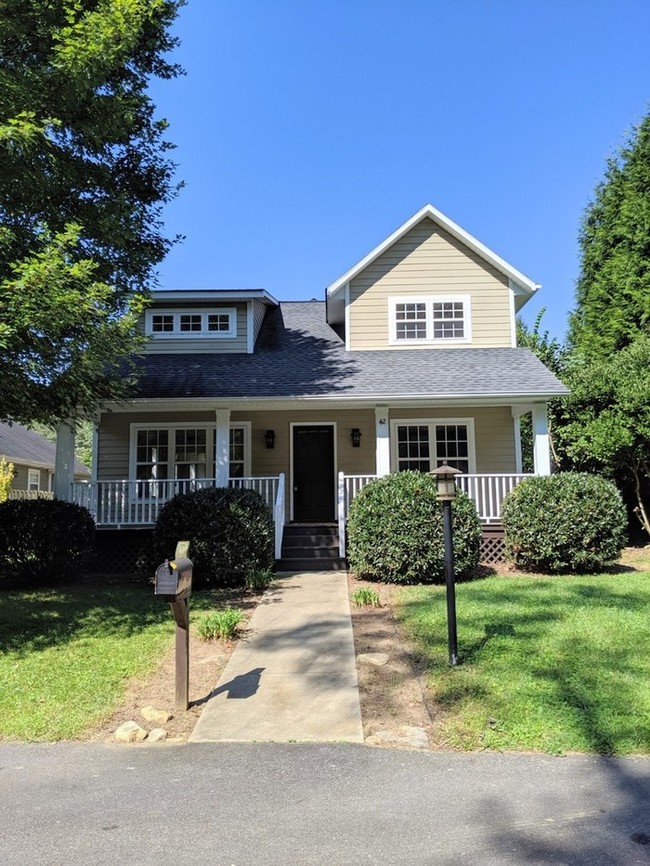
[{"x": 30, "y": 494}]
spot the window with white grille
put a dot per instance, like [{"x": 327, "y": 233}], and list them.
[
  {"x": 434, "y": 319},
  {"x": 196, "y": 323},
  {"x": 423, "y": 445}
]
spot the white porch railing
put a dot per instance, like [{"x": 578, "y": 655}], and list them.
[
  {"x": 486, "y": 491},
  {"x": 278, "y": 516},
  {"x": 138, "y": 503}
]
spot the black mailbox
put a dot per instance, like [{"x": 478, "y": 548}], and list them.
[{"x": 174, "y": 579}]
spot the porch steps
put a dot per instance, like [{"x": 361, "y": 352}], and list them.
[{"x": 310, "y": 547}]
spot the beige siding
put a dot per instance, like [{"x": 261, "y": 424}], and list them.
[
  {"x": 114, "y": 437},
  {"x": 493, "y": 433},
  {"x": 202, "y": 344},
  {"x": 493, "y": 428},
  {"x": 428, "y": 260},
  {"x": 273, "y": 461},
  {"x": 259, "y": 311}
]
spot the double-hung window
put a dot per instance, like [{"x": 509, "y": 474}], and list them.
[
  {"x": 178, "y": 457},
  {"x": 434, "y": 319},
  {"x": 219, "y": 322},
  {"x": 34, "y": 479},
  {"x": 423, "y": 445}
]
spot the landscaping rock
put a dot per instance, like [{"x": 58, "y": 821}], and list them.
[
  {"x": 158, "y": 735},
  {"x": 130, "y": 732},
  {"x": 151, "y": 714},
  {"x": 377, "y": 659}
]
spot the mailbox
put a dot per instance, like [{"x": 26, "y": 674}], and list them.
[{"x": 173, "y": 579}]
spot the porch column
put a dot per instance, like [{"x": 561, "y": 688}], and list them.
[
  {"x": 64, "y": 461},
  {"x": 541, "y": 444},
  {"x": 222, "y": 447},
  {"x": 382, "y": 457}
]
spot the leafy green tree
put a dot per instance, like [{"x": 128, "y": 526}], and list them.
[
  {"x": 84, "y": 172},
  {"x": 608, "y": 421},
  {"x": 613, "y": 290},
  {"x": 83, "y": 439}
]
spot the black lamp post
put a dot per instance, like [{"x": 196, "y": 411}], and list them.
[{"x": 444, "y": 476}]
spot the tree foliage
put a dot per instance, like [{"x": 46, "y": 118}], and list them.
[
  {"x": 613, "y": 290},
  {"x": 84, "y": 172},
  {"x": 6, "y": 478},
  {"x": 607, "y": 424}
]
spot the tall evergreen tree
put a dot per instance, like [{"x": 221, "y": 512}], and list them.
[
  {"x": 613, "y": 290},
  {"x": 84, "y": 172}
]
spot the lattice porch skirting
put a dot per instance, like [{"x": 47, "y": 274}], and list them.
[{"x": 492, "y": 546}]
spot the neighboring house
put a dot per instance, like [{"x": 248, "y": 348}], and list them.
[
  {"x": 410, "y": 362},
  {"x": 33, "y": 457}
]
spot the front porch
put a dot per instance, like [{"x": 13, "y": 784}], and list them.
[{"x": 127, "y": 504}]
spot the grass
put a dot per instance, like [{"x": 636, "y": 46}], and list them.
[
  {"x": 556, "y": 664},
  {"x": 220, "y": 624},
  {"x": 365, "y": 596},
  {"x": 67, "y": 654}
]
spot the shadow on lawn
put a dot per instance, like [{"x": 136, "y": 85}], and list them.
[
  {"x": 37, "y": 619},
  {"x": 590, "y": 679}
]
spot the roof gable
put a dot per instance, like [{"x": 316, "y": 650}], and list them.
[{"x": 521, "y": 284}]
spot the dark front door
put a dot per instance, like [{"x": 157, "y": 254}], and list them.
[{"x": 313, "y": 473}]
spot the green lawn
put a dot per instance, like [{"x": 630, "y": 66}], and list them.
[
  {"x": 67, "y": 654},
  {"x": 554, "y": 664}
]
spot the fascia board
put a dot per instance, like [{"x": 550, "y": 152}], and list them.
[
  {"x": 289, "y": 402},
  {"x": 525, "y": 283},
  {"x": 214, "y": 294}
]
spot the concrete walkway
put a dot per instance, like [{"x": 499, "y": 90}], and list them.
[{"x": 293, "y": 678}]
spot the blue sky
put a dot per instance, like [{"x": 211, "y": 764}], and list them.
[{"x": 308, "y": 131}]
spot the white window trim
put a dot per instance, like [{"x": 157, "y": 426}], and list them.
[
  {"x": 433, "y": 422},
  {"x": 203, "y": 334},
  {"x": 189, "y": 425},
  {"x": 429, "y": 301},
  {"x": 247, "y": 426},
  {"x": 30, "y": 475}
]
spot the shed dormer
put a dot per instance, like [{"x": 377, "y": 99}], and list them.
[
  {"x": 205, "y": 320},
  {"x": 431, "y": 285}
]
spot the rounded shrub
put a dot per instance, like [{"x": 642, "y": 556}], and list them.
[
  {"x": 44, "y": 539},
  {"x": 395, "y": 531},
  {"x": 230, "y": 532},
  {"x": 569, "y": 522}
]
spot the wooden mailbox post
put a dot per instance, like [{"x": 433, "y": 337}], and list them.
[{"x": 173, "y": 583}]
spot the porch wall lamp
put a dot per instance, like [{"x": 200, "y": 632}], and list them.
[
  {"x": 269, "y": 438},
  {"x": 355, "y": 435},
  {"x": 444, "y": 477}
]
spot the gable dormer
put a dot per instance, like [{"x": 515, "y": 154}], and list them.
[
  {"x": 205, "y": 320},
  {"x": 430, "y": 285}
]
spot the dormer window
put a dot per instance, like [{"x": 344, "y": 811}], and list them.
[
  {"x": 220, "y": 322},
  {"x": 433, "y": 319}
]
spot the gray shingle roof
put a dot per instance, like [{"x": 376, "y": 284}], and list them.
[
  {"x": 299, "y": 355},
  {"x": 21, "y": 445}
]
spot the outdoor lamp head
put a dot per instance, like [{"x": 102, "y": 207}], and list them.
[{"x": 444, "y": 476}]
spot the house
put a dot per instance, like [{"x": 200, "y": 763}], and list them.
[
  {"x": 33, "y": 458},
  {"x": 410, "y": 362}
]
